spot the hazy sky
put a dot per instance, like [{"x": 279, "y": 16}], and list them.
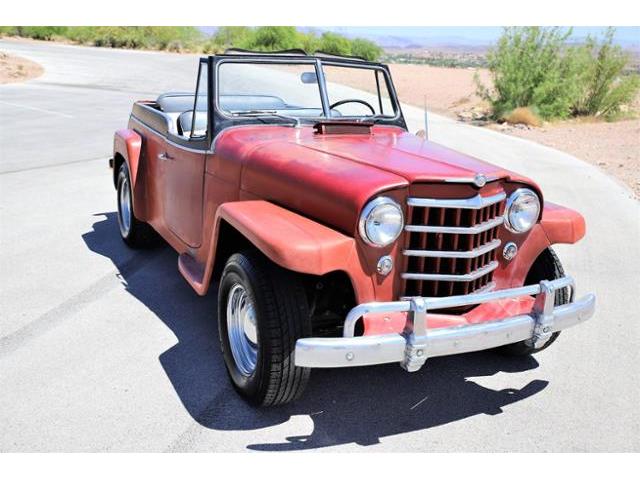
[{"x": 624, "y": 35}]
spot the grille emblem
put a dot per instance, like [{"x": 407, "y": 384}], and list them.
[{"x": 480, "y": 180}]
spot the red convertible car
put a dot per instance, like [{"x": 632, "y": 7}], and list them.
[{"x": 335, "y": 237}]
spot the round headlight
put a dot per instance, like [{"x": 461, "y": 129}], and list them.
[
  {"x": 381, "y": 222},
  {"x": 523, "y": 209}
]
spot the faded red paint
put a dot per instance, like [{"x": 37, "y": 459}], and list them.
[{"x": 297, "y": 195}]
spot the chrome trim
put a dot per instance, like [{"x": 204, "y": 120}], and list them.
[
  {"x": 417, "y": 343},
  {"x": 474, "y": 203},
  {"x": 490, "y": 178},
  {"x": 478, "y": 228},
  {"x": 476, "y": 252},
  {"x": 366, "y": 211},
  {"x": 489, "y": 287},
  {"x": 480, "y": 179},
  {"x": 467, "y": 277},
  {"x": 384, "y": 262},
  {"x": 510, "y": 201},
  {"x": 242, "y": 329},
  {"x": 510, "y": 251}
]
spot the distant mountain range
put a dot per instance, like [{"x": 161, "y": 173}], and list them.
[{"x": 435, "y": 40}]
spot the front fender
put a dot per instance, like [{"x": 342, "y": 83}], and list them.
[
  {"x": 291, "y": 241},
  {"x": 561, "y": 224},
  {"x": 558, "y": 225}
]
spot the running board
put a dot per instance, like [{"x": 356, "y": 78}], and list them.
[{"x": 193, "y": 272}]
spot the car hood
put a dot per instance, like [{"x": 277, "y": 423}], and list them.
[{"x": 331, "y": 177}]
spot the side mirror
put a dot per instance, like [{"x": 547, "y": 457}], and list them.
[{"x": 309, "y": 77}]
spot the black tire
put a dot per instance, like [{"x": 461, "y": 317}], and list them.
[
  {"x": 546, "y": 267},
  {"x": 282, "y": 317},
  {"x": 134, "y": 233}
]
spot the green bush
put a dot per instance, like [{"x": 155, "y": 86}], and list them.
[
  {"x": 365, "y": 49},
  {"x": 334, "y": 44},
  {"x": 272, "y": 39},
  {"x": 178, "y": 39},
  {"x": 227, "y": 37},
  {"x": 605, "y": 86},
  {"x": 309, "y": 42},
  {"x": 41, "y": 33},
  {"x": 8, "y": 31},
  {"x": 534, "y": 67}
]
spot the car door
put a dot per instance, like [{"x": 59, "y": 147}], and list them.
[{"x": 185, "y": 159}]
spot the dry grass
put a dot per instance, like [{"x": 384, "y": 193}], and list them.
[{"x": 523, "y": 115}]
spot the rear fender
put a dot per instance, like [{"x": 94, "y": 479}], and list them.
[{"x": 127, "y": 145}]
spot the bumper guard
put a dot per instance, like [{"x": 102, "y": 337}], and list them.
[{"x": 417, "y": 343}]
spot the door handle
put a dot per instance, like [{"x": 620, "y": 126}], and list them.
[{"x": 165, "y": 156}]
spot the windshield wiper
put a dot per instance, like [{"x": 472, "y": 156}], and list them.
[{"x": 270, "y": 113}]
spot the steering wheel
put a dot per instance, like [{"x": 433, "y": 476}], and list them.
[{"x": 352, "y": 100}]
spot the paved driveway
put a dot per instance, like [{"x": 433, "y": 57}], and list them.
[{"x": 102, "y": 348}]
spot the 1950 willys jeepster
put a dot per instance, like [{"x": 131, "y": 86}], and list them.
[{"x": 336, "y": 237}]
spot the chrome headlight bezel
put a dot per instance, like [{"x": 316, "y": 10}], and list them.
[
  {"x": 370, "y": 209},
  {"x": 517, "y": 196}
]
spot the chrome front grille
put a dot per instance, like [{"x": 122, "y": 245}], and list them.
[{"x": 451, "y": 245}]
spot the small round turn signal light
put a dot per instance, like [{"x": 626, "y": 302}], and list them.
[
  {"x": 510, "y": 250},
  {"x": 385, "y": 265}
]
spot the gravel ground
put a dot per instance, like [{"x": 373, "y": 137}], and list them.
[
  {"x": 17, "y": 69},
  {"x": 614, "y": 147}
]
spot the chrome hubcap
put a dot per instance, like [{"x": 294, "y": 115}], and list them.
[
  {"x": 124, "y": 208},
  {"x": 242, "y": 329}
]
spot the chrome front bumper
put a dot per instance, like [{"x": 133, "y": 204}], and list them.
[{"x": 417, "y": 343}]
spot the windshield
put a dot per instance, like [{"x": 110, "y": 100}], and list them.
[{"x": 292, "y": 91}]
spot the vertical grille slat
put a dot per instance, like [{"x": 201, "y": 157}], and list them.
[{"x": 456, "y": 238}]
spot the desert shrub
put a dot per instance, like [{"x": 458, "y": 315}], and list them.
[
  {"x": 605, "y": 87},
  {"x": 40, "y": 33},
  {"x": 309, "y": 42},
  {"x": 272, "y": 39},
  {"x": 366, "y": 49},
  {"x": 523, "y": 115},
  {"x": 80, "y": 34},
  {"x": 532, "y": 67},
  {"x": 266, "y": 39},
  {"x": 335, "y": 44},
  {"x": 8, "y": 31},
  {"x": 226, "y": 37}
]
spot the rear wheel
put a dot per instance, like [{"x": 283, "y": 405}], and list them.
[
  {"x": 262, "y": 311},
  {"x": 135, "y": 233},
  {"x": 546, "y": 267}
]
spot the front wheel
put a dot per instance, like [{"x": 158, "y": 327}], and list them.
[
  {"x": 546, "y": 267},
  {"x": 262, "y": 311}
]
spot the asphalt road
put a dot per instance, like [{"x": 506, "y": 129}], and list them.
[{"x": 103, "y": 348}]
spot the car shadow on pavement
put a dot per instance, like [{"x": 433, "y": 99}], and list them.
[{"x": 356, "y": 405}]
